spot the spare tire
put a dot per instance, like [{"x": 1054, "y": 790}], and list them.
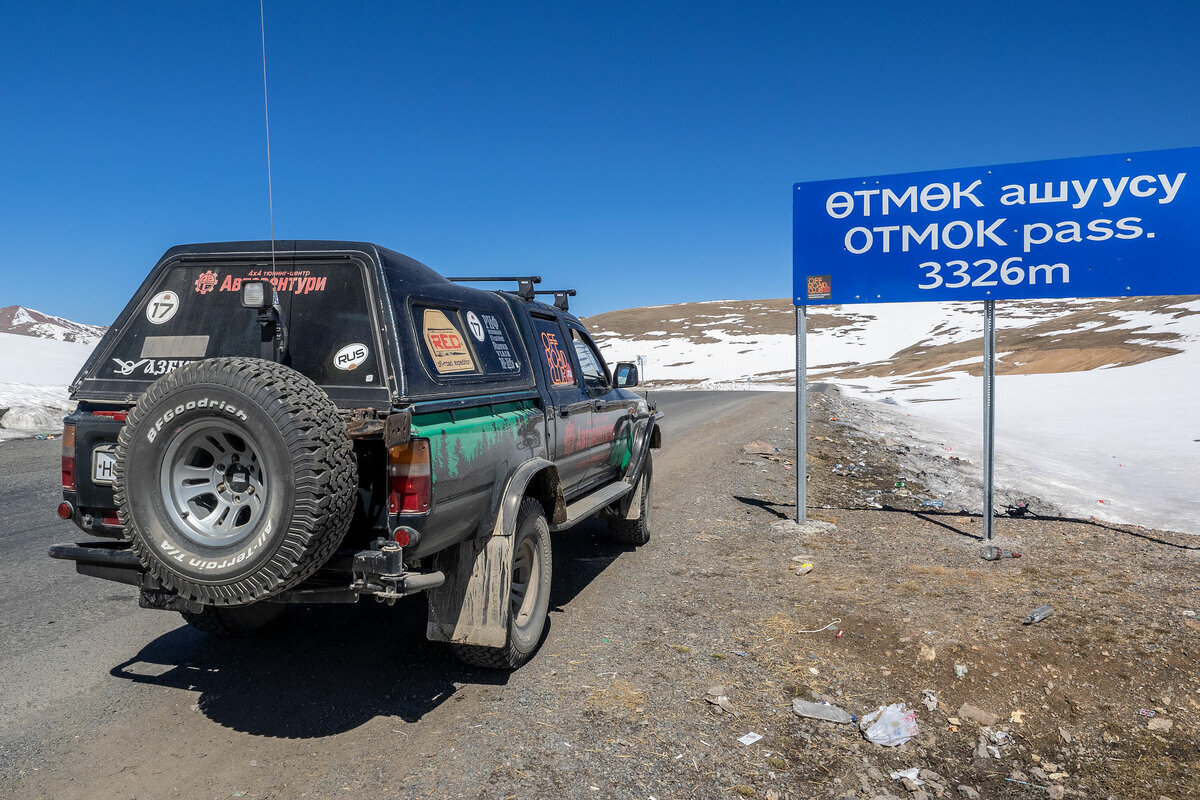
[{"x": 234, "y": 479}]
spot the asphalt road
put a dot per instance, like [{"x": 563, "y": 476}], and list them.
[{"x": 81, "y": 662}]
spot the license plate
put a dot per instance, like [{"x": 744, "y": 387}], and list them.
[{"x": 103, "y": 461}]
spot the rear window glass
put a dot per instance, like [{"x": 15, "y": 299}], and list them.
[{"x": 195, "y": 312}]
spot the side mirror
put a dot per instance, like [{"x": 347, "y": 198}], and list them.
[{"x": 626, "y": 375}]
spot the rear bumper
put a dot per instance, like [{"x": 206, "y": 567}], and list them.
[{"x": 112, "y": 561}]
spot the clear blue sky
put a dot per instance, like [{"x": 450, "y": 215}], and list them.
[{"x": 640, "y": 152}]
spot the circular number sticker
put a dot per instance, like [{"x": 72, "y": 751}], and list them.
[
  {"x": 475, "y": 325},
  {"x": 162, "y": 307}
]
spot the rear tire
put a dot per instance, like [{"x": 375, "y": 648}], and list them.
[
  {"x": 636, "y": 532},
  {"x": 232, "y": 623},
  {"x": 529, "y": 596}
]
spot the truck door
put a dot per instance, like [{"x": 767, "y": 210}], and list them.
[
  {"x": 571, "y": 405},
  {"x": 608, "y": 433}
]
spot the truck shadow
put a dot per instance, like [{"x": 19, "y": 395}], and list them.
[{"x": 327, "y": 669}]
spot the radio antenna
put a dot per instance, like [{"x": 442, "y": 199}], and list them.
[{"x": 262, "y": 25}]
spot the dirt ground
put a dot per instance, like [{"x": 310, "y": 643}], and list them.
[{"x": 1098, "y": 700}]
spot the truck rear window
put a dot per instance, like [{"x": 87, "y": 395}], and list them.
[
  {"x": 195, "y": 312},
  {"x": 464, "y": 342}
]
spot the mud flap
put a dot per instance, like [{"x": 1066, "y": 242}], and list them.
[
  {"x": 633, "y": 500},
  {"x": 472, "y": 606}
]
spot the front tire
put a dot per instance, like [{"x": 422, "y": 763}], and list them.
[
  {"x": 636, "y": 532},
  {"x": 529, "y": 595}
]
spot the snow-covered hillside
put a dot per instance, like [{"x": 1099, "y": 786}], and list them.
[
  {"x": 1097, "y": 400},
  {"x": 27, "y": 322},
  {"x": 34, "y": 375}
]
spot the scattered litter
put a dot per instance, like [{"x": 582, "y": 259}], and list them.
[
  {"x": 1038, "y": 614},
  {"x": 1000, "y": 738},
  {"x": 1025, "y": 783},
  {"x": 929, "y": 698},
  {"x": 1146, "y": 712},
  {"x": 976, "y": 714},
  {"x": 960, "y": 671},
  {"x": 839, "y": 633},
  {"x": 911, "y": 774},
  {"x": 1189, "y": 613},
  {"x": 993, "y": 553},
  {"x": 759, "y": 448},
  {"x": 804, "y": 569},
  {"x": 831, "y": 624},
  {"x": 750, "y": 738},
  {"x": 741, "y": 653},
  {"x": 993, "y": 751},
  {"x": 716, "y": 696},
  {"x": 822, "y": 711},
  {"x": 900, "y": 484},
  {"x": 932, "y": 503},
  {"x": 889, "y": 725},
  {"x": 1017, "y": 717},
  {"x": 1019, "y": 510}
]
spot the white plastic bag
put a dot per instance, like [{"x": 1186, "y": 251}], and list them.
[{"x": 889, "y": 725}]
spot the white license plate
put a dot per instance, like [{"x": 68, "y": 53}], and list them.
[{"x": 103, "y": 460}]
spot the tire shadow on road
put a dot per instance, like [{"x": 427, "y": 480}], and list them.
[{"x": 326, "y": 669}]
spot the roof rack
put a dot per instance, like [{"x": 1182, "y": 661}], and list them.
[
  {"x": 524, "y": 284},
  {"x": 560, "y": 297}
]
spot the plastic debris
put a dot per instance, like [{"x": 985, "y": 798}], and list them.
[
  {"x": 929, "y": 698},
  {"x": 911, "y": 774},
  {"x": 932, "y": 503},
  {"x": 750, "y": 738},
  {"x": 1146, "y": 712},
  {"x": 889, "y": 726},
  {"x": 716, "y": 696},
  {"x": 1038, "y": 614},
  {"x": 900, "y": 484},
  {"x": 804, "y": 569},
  {"x": 822, "y": 711},
  {"x": 993, "y": 553},
  {"x": 960, "y": 671}
]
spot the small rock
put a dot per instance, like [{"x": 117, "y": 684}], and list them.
[
  {"x": 1057, "y": 792},
  {"x": 928, "y": 653},
  {"x": 968, "y": 792},
  {"x": 1017, "y": 775},
  {"x": 960, "y": 671},
  {"x": 1066, "y": 735},
  {"x": 874, "y": 774},
  {"x": 930, "y": 775},
  {"x": 976, "y": 714},
  {"x": 1161, "y": 724},
  {"x": 911, "y": 786}
]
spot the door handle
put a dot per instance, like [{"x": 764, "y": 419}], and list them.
[{"x": 598, "y": 405}]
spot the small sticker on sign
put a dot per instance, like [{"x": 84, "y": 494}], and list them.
[
  {"x": 350, "y": 357},
  {"x": 820, "y": 287},
  {"x": 162, "y": 307}
]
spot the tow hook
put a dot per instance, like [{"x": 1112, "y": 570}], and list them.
[{"x": 380, "y": 572}]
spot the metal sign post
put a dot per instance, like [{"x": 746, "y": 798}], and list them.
[
  {"x": 989, "y": 409},
  {"x": 801, "y": 414}
]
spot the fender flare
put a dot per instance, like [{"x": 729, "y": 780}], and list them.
[{"x": 514, "y": 493}]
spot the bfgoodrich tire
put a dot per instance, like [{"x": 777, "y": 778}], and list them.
[
  {"x": 234, "y": 479},
  {"x": 529, "y": 597}
]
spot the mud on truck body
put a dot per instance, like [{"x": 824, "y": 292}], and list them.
[{"x": 337, "y": 420}]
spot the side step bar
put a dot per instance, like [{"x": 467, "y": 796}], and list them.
[{"x": 589, "y": 504}]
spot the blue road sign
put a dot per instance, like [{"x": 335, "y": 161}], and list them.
[{"x": 1102, "y": 226}]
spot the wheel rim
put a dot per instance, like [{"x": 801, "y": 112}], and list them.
[
  {"x": 212, "y": 483},
  {"x": 526, "y": 581}
]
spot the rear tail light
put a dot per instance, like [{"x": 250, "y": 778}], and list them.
[
  {"x": 68, "y": 458},
  {"x": 409, "y": 478},
  {"x": 110, "y": 519},
  {"x": 117, "y": 416}
]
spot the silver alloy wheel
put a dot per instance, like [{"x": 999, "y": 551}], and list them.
[
  {"x": 527, "y": 574},
  {"x": 212, "y": 483}
]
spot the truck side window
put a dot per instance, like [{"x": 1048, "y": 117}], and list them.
[
  {"x": 595, "y": 375},
  {"x": 548, "y": 335}
]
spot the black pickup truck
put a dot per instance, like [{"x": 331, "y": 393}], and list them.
[{"x": 315, "y": 421}]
